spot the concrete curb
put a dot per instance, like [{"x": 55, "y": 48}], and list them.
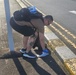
[{"x": 66, "y": 56}]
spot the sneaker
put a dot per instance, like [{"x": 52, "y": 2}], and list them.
[
  {"x": 44, "y": 53},
  {"x": 22, "y": 50},
  {"x": 29, "y": 55}
]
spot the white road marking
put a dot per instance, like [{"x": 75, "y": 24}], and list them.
[{"x": 74, "y": 12}]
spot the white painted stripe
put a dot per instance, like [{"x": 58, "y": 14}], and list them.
[
  {"x": 74, "y": 12},
  {"x": 65, "y": 53}
]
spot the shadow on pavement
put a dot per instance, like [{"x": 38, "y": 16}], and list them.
[
  {"x": 38, "y": 69},
  {"x": 19, "y": 66},
  {"x": 48, "y": 60},
  {"x": 12, "y": 54},
  {"x": 51, "y": 63}
]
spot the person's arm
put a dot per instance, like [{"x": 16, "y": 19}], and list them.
[
  {"x": 40, "y": 27},
  {"x": 42, "y": 42}
]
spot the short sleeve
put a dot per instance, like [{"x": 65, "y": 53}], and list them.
[{"x": 38, "y": 23}]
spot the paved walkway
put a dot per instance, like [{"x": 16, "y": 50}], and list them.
[
  {"x": 12, "y": 63},
  {"x": 3, "y": 25}
]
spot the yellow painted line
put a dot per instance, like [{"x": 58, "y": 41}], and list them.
[
  {"x": 65, "y": 30},
  {"x": 21, "y": 4},
  {"x": 53, "y": 43},
  {"x": 47, "y": 30},
  {"x": 69, "y": 41},
  {"x": 53, "y": 40},
  {"x": 70, "y": 64},
  {"x": 29, "y": 3}
]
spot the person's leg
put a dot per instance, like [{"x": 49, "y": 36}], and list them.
[
  {"x": 30, "y": 44},
  {"x": 25, "y": 40},
  {"x": 31, "y": 41}
]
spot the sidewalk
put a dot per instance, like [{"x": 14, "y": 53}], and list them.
[{"x": 12, "y": 63}]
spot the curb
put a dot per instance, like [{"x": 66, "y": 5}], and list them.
[{"x": 65, "y": 55}]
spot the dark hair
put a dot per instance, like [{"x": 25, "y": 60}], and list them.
[{"x": 49, "y": 17}]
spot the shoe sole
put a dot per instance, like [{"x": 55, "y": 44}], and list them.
[
  {"x": 39, "y": 56},
  {"x": 25, "y": 55}
]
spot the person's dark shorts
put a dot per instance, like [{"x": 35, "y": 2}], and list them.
[{"x": 24, "y": 30}]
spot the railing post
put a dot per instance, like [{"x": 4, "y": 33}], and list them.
[{"x": 9, "y": 29}]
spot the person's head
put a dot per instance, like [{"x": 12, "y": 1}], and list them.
[{"x": 48, "y": 19}]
